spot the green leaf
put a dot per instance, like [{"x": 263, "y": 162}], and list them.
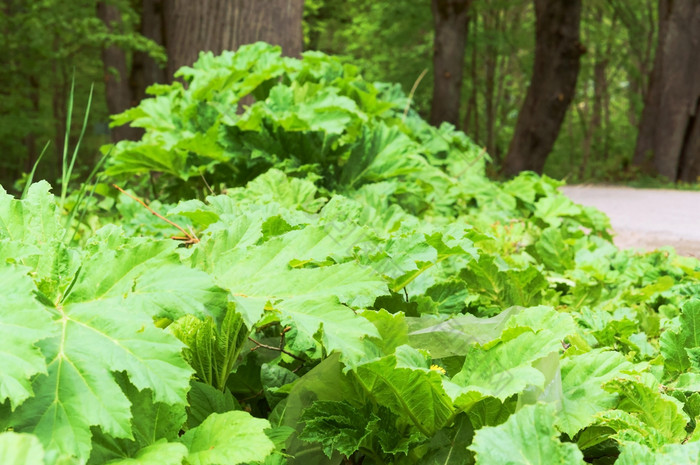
[
  {"x": 33, "y": 219},
  {"x": 454, "y": 336},
  {"x": 152, "y": 422},
  {"x": 131, "y": 158},
  {"x": 392, "y": 434},
  {"x": 582, "y": 379},
  {"x": 608, "y": 327},
  {"x": 491, "y": 412},
  {"x": 337, "y": 426},
  {"x": 212, "y": 350},
  {"x": 392, "y": 328},
  {"x": 31, "y": 235},
  {"x": 688, "y": 382},
  {"x": 23, "y": 323},
  {"x": 554, "y": 252},
  {"x": 326, "y": 381},
  {"x": 449, "y": 445},
  {"x": 677, "y": 345},
  {"x": 380, "y": 153},
  {"x": 204, "y": 400},
  {"x": 443, "y": 245},
  {"x": 228, "y": 438},
  {"x": 315, "y": 300},
  {"x": 508, "y": 365},
  {"x": 553, "y": 209},
  {"x": 657, "y": 411},
  {"x": 275, "y": 186},
  {"x": 446, "y": 297},
  {"x": 277, "y": 381},
  {"x": 20, "y": 449},
  {"x": 105, "y": 325},
  {"x": 501, "y": 371},
  {"x": 502, "y": 286},
  {"x": 162, "y": 452},
  {"x": 172, "y": 291},
  {"x": 244, "y": 70},
  {"x": 530, "y": 439},
  {"x": 306, "y": 107},
  {"x": 628, "y": 427},
  {"x": 671, "y": 454},
  {"x": 406, "y": 385}
]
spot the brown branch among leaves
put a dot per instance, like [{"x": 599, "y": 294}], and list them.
[
  {"x": 189, "y": 238},
  {"x": 259, "y": 345}
]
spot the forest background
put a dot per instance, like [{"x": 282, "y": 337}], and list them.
[{"x": 466, "y": 62}]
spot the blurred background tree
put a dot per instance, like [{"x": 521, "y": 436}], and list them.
[
  {"x": 121, "y": 46},
  {"x": 44, "y": 44}
]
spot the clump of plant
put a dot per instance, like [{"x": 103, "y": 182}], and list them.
[{"x": 232, "y": 117}]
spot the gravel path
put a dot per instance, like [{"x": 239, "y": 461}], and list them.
[{"x": 647, "y": 218}]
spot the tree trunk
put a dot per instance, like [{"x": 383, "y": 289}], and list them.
[
  {"x": 491, "y": 23},
  {"x": 669, "y": 134},
  {"x": 451, "y": 19},
  {"x": 640, "y": 23},
  {"x": 557, "y": 61},
  {"x": 593, "y": 130},
  {"x": 145, "y": 70},
  {"x": 599, "y": 98},
  {"x": 117, "y": 89},
  {"x": 472, "y": 111},
  {"x": 218, "y": 25}
]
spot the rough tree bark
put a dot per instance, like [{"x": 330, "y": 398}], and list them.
[
  {"x": 185, "y": 28},
  {"x": 557, "y": 61},
  {"x": 217, "y": 25},
  {"x": 117, "y": 89},
  {"x": 451, "y": 19},
  {"x": 669, "y": 131}
]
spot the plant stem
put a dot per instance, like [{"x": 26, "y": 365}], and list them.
[{"x": 189, "y": 236}]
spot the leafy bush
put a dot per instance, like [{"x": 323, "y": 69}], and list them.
[
  {"x": 310, "y": 117},
  {"x": 387, "y": 304}
]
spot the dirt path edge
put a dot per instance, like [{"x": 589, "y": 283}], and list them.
[{"x": 646, "y": 219}]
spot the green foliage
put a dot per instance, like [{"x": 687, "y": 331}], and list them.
[
  {"x": 530, "y": 437},
  {"x": 369, "y": 35},
  {"x": 46, "y": 43},
  {"x": 314, "y": 116},
  {"x": 211, "y": 351},
  {"x": 370, "y": 297},
  {"x": 597, "y": 139}
]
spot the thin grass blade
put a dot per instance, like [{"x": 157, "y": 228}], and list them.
[{"x": 30, "y": 178}]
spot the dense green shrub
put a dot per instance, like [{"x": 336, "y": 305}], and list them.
[{"x": 356, "y": 290}]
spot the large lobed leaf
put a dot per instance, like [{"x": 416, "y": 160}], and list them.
[
  {"x": 92, "y": 320},
  {"x": 314, "y": 299}
]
